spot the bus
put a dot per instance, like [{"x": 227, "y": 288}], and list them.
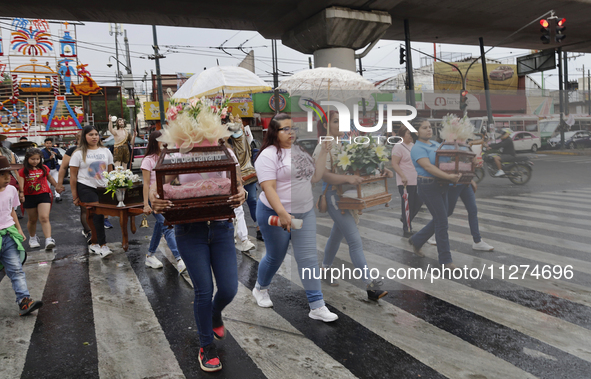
[
  {"x": 548, "y": 126},
  {"x": 517, "y": 123}
]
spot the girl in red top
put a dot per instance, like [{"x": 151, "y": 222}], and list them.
[{"x": 36, "y": 199}]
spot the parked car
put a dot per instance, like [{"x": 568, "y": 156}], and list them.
[
  {"x": 501, "y": 73},
  {"x": 308, "y": 144},
  {"x": 572, "y": 140},
  {"x": 138, "y": 155}
]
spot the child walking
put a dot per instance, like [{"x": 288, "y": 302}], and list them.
[
  {"x": 36, "y": 197},
  {"x": 12, "y": 252},
  {"x": 149, "y": 176}
]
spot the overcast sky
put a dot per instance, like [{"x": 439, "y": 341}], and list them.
[{"x": 193, "y": 49}]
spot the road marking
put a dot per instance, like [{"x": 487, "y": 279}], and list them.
[
  {"x": 16, "y": 330},
  {"x": 130, "y": 341},
  {"x": 563, "y": 335}
]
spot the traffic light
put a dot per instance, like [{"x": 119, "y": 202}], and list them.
[
  {"x": 545, "y": 31},
  {"x": 560, "y": 28},
  {"x": 402, "y": 55},
  {"x": 463, "y": 100}
]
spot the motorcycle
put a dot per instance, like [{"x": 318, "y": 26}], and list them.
[{"x": 518, "y": 171}]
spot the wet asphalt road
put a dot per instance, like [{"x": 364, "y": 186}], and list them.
[{"x": 117, "y": 318}]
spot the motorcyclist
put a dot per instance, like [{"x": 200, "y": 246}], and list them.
[{"x": 507, "y": 150}]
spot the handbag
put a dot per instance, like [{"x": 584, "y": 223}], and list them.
[{"x": 322, "y": 204}]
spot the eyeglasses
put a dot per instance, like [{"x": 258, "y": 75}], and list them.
[{"x": 289, "y": 130}]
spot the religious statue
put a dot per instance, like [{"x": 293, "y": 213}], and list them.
[{"x": 121, "y": 155}]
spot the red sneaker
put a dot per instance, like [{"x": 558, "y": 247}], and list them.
[
  {"x": 219, "y": 333},
  {"x": 208, "y": 358}
]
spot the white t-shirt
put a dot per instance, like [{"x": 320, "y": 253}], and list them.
[
  {"x": 90, "y": 173},
  {"x": 8, "y": 200},
  {"x": 292, "y": 173}
]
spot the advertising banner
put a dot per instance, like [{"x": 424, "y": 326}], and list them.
[{"x": 500, "y": 77}]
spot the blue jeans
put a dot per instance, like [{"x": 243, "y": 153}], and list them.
[
  {"x": 304, "y": 251},
  {"x": 11, "y": 260},
  {"x": 205, "y": 247},
  {"x": 251, "y": 200},
  {"x": 466, "y": 193},
  {"x": 159, "y": 229},
  {"x": 434, "y": 195},
  {"x": 344, "y": 226}
]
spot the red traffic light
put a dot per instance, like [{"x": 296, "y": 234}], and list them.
[
  {"x": 544, "y": 23},
  {"x": 464, "y": 93},
  {"x": 561, "y": 22}
]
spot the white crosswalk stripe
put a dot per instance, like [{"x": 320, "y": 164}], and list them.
[{"x": 545, "y": 228}]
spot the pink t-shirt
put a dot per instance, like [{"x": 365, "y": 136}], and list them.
[
  {"x": 8, "y": 201},
  {"x": 402, "y": 150},
  {"x": 292, "y": 173},
  {"x": 148, "y": 164}
]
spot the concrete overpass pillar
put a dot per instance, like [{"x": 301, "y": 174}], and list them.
[{"x": 335, "y": 33}]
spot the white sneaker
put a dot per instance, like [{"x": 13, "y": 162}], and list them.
[
  {"x": 500, "y": 173},
  {"x": 180, "y": 266},
  {"x": 95, "y": 248},
  {"x": 153, "y": 262},
  {"x": 432, "y": 241},
  {"x": 482, "y": 246},
  {"x": 105, "y": 251},
  {"x": 262, "y": 298},
  {"x": 49, "y": 243},
  {"x": 323, "y": 314},
  {"x": 34, "y": 242},
  {"x": 245, "y": 245}
]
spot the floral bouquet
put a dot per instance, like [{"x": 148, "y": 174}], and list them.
[
  {"x": 456, "y": 129},
  {"x": 119, "y": 178},
  {"x": 363, "y": 158},
  {"x": 195, "y": 121}
]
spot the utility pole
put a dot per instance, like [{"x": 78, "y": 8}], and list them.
[
  {"x": 589, "y": 89},
  {"x": 157, "y": 56},
  {"x": 275, "y": 75},
  {"x": 486, "y": 86},
  {"x": 116, "y": 30},
  {"x": 566, "y": 84},
  {"x": 131, "y": 93},
  {"x": 561, "y": 98},
  {"x": 410, "y": 94}
]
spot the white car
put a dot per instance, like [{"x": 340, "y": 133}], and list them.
[{"x": 526, "y": 141}]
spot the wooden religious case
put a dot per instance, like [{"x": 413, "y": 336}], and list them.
[
  {"x": 456, "y": 158},
  {"x": 371, "y": 192},
  {"x": 202, "y": 190}
]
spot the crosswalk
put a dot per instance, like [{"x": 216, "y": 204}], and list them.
[{"x": 115, "y": 318}]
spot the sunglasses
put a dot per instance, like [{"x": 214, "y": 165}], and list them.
[{"x": 289, "y": 130}]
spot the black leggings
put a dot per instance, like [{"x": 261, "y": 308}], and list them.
[
  {"x": 88, "y": 194},
  {"x": 414, "y": 205}
]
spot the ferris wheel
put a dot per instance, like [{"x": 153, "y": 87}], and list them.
[{"x": 15, "y": 113}]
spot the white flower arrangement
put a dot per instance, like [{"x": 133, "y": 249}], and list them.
[
  {"x": 456, "y": 129},
  {"x": 193, "y": 122},
  {"x": 365, "y": 158},
  {"x": 119, "y": 178}
]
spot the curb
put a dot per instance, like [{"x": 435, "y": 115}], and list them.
[{"x": 575, "y": 153}]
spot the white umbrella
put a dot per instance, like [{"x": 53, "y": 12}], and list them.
[
  {"x": 328, "y": 83},
  {"x": 218, "y": 79}
]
